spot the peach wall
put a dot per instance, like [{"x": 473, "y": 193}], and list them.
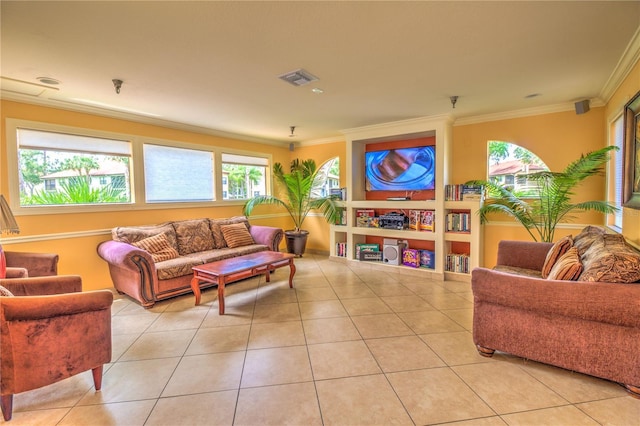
[
  {"x": 318, "y": 240},
  {"x": 629, "y": 87},
  {"x": 75, "y": 236},
  {"x": 557, "y": 138}
]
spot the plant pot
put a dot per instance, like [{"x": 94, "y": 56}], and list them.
[{"x": 296, "y": 241}]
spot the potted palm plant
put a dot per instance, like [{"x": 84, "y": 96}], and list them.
[
  {"x": 550, "y": 203},
  {"x": 301, "y": 192}
]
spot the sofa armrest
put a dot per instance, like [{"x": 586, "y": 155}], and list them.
[
  {"x": 132, "y": 270},
  {"x": 523, "y": 254},
  {"x": 37, "y": 264},
  {"x": 611, "y": 303},
  {"x": 25, "y": 308},
  {"x": 37, "y": 286},
  {"x": 268, "y": 235}
]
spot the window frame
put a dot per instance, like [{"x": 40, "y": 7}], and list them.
[
  {"x": 613, "y": 174},
  {"x": 267, "y": 173},
  {"x": 137, "y": 170}
]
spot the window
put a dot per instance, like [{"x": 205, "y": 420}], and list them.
[
  {"x": 508, "y": 165},
  {"x": 177, "y": 174},
  {"x": 58, "y": 169},
  {"x": 615, "y": 172},
  {"x": 330, "y": 169},
  {"x": 243, "y": 176}
]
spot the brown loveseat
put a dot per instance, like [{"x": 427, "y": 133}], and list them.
[
  {"x": 590, "y": 325},
  {"x": 152, "y": 263}
]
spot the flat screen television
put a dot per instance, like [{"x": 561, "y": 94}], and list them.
[{"x": 402, "y": 169}]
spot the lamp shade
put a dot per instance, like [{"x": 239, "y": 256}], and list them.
[{"x": 7, "y": 221}]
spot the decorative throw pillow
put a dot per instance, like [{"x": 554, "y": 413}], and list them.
[
  {"x": 4, "y": 292},
  {"x": 237, "y": 235},
  {"x": 559, "y": 248},
  {"x": 193, "y": 236},
  {"x": 567, "y": 267},
  {"x": 216, "y": 230},
  {"x": 611, "y": 260},
  {"x": 158, "y": 247}
]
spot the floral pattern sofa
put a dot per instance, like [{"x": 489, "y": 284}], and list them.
[
  {"x": 153, "y": 262},
  {"x": 574, "y": 304}
]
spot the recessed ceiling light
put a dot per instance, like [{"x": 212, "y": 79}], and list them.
[
  {"x": 532, "y": 95},
  {"x": 48, "y": 80},
  {"x": 317, "y": 90}
]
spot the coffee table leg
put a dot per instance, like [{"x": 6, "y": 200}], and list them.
[
  {"x": 196, "y": 289},
  {"x": 221, "y": 296},
  {"x": 292, "y": 271}
]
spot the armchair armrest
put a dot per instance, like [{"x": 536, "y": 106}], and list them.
[
  {"x": 13, "y": 272},
  {"x": 267, "y": 235},
  {"x": 37, "y": 264},
  {"x": 523, "y": 254},
  {"x": 37, "y": 286}
]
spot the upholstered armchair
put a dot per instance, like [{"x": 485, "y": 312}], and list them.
[
  {"x": 22, "y": 264},
  {"x": 49, "y": 331}
]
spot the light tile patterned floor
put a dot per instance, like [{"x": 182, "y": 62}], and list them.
[{"x": 347, "y": 346}]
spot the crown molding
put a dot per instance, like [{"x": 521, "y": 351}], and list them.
[
  {"x": 138, "y": 118},
  {"x": 623, "y": 67},
  {"x": 527, "y": 112}
]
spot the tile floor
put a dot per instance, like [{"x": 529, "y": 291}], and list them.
[{"x": 347, "y": 346}]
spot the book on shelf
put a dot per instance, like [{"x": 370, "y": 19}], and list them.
[
  {"x": 463, "y": 192},
  {"x": 428, "y": 220},
  {"x": 342, "y": 218},
  {"x": 341, "y": 249},
  {"x": 458, "y": 222},
  {"x": 339, "y": 193},
  {"x": 457, "y": 263}
]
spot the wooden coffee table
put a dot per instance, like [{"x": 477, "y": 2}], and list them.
[{"x": 225, "y": 271}]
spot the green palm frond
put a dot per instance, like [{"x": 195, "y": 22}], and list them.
[
  {"x": 551, "y": 202},
  {"x": 301, "y": 189}
]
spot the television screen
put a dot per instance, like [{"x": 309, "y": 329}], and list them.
[{"x": 403, "y": 169}]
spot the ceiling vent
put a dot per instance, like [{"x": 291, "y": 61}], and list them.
[{"x": 298, "y": 77}]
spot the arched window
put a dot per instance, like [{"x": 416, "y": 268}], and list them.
[
  {"x": 330, "y": 169},
  {"x": 509, "y": 164}
]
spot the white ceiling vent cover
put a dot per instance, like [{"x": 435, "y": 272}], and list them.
[{"x": 298, "y": 77}]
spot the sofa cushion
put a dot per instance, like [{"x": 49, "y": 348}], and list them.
[
  {"x": 133, "y": 234},
  {"x": 177, "y": 267},
  {"x": 559, "y": 248},
  {"x": 193, "y": 236},
  {"x": 215, "y": 225},
  {"x": 236, "y": 235},
  {"x": 226, "y": 253},
  {"x": 612, "y": 260},
  {"x": 5, "y": 292},
  {"x": 567, "y": 267},
  {"x": 159, "y": 248}
]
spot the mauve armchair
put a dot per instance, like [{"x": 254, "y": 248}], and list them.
[
  {"x": 23, "y": 264},
  {"x": 50, "y": 330}
]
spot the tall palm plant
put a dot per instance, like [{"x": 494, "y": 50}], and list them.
[
  {"x": 551, "y": 201},
  {"x": 302, "y": 192}
]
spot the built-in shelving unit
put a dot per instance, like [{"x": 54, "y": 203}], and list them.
[{"x": 441, "y": 242}]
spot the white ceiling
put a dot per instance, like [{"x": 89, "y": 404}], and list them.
[{"x": 215, "y": 64}]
